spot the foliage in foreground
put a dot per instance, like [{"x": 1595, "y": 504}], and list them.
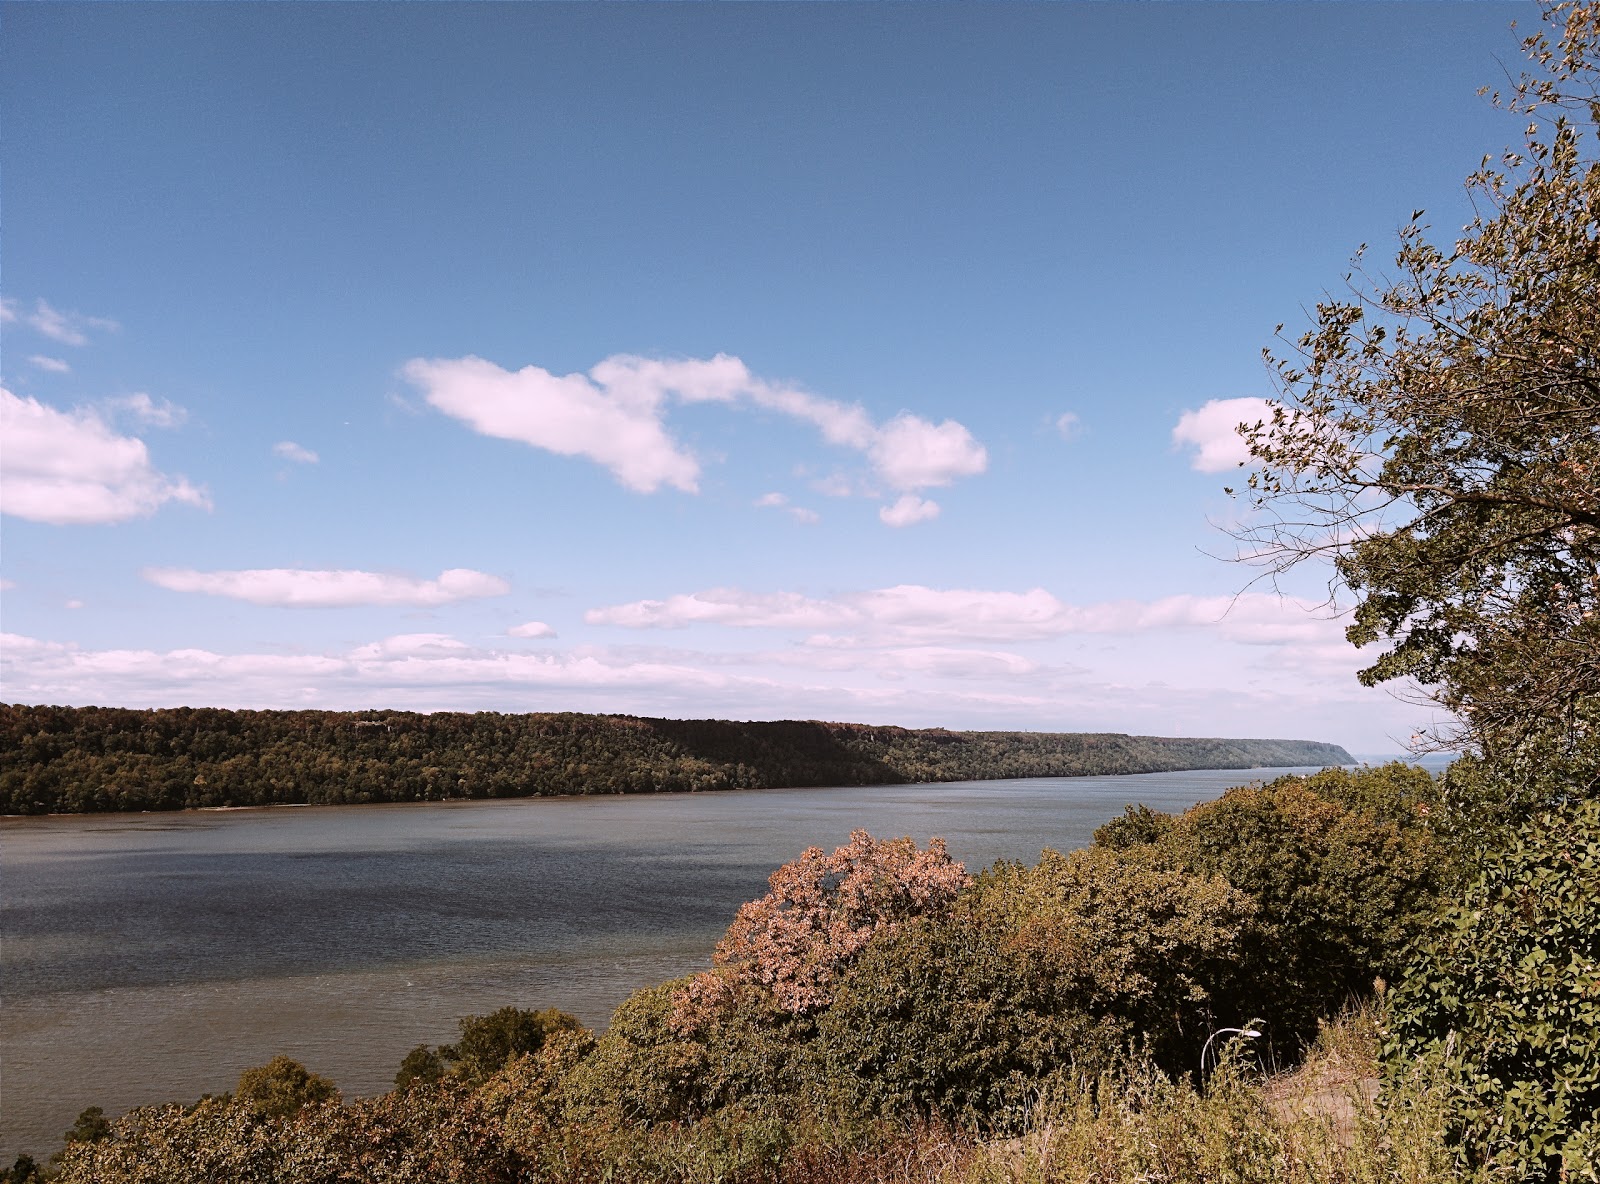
[
  {"x": 879, "y": 1006},
  {"x": 1505, "y": 1001},
  {"x": 1131, "y": 1125}
]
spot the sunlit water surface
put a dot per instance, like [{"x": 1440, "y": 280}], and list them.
[{"x": 152, "y": 957}]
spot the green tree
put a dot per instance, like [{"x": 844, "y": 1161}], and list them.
[
  {"x": 1438, "y": 434},
  {"x": 91, "y": 1126},
  {"x": 282, "y": 1087},
  {"x": 1505, "y": 998},
  {"x": 421, "y": 1065},
  {"x": 487, "y": 1044},
  {"x": 1339, "y": 895}
]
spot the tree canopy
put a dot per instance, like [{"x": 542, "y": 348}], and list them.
[{"x": 1438, "y": 431}]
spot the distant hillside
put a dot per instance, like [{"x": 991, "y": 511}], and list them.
[{"x": 83, "y": 759}]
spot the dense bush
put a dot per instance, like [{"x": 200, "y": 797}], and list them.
[
  {"x": 487, "y": 1043},
  {"x": 1506, "y": 998},
  {"x": 281, "y": 1088},
  {"x": 1343, "y": 868},
  {"x": 1041, "y": 975}
]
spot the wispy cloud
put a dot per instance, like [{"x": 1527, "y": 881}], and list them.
[
  {"x": 778, "y": 501},
  {"x": 141, "y": 408},
  {"x": 50, "y": 365},
  {"x": 908, "y": 510},
  {"x": 913, "y": 613},
  {"x": 531, "y": 629},
  {"x": 615, "y": 416},
  {"x": 1213, "y": 432},
  {"x": 73, "y": 468},
  {"x": 69, "y": 328},
  {"x": 289, "y": 450},
  {"x": 297, "y": 588}
]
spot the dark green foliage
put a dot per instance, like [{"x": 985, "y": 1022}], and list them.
[
  {"x": 71, "y": 760},
  {"x": 23, "y": 1170},
  {"x": 92, "y": 1125},
  {"x": 487, "y": 1044},
  {"x": 1344, "y": 868},
  {"x": 1506, "y": 996},
  {"x": 1042, "y": 976},
  {"x": 421, "y": 1065},
  {"x": 489, "y": 1041},
  {"x": 1138, "y": 824},
  {"x": 645, "y": 1068},
  {"x": 1405, "y": 795},
  {"x": 1338, "y": 894},
  {"x": 282, "y": 1087}
]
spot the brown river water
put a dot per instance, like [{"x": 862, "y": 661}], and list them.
[{"x": 151, "y": 957}]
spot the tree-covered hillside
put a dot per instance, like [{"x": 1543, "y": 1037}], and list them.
[{"x": 79, "y": 759}]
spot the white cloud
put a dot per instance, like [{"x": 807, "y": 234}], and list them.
[
  {"x": 72, "y": 604},
  {"x": 70, "y": 468},
  {"x": 909, "y": 510},
  {"x": 615, "y": 415},
  {"x": 914, "y": 685},
  {"x": 913, "y": 613},
  {"x": 53, "y": 365},
  {"x": 1212, "y": 432},
  {"x": 8, "y": 311},
  {"x": 1069, "y": 425},
  {"x": 145, "y": 410},
  {"x": 620, "y": 429},
  {"x": 69, "y": 328},
  {"x": 289, "y": 450},
  {"x": 767, "y": 500},
  {"x": 411, "y": 645},
  {"x": 911, "y": 453},
  {"x": 428, "y": 671},
  {"x": 296, "y": 588},
  {"x": 531, "y": 629}
]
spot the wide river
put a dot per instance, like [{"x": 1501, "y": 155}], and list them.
[{"x": 152, "y": 957}]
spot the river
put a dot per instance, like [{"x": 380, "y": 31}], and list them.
[{"x": 152, "y": 957}]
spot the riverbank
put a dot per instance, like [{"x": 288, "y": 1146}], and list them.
[
  {"x": 152, "y": 957},
  {"x": 113, "y": 760}
]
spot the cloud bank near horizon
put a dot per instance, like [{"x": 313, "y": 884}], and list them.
[
  {"x": 1289, "y": 693},
  {"x": 908, "y": 612}
]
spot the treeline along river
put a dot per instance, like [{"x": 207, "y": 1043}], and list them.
[
  {"x": 91, "y": 759},
  {"x": 152, "y": 957}
]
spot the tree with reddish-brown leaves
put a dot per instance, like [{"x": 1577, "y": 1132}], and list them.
[{"x": 822, "y": 910}]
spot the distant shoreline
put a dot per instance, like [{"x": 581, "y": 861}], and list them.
[
  {"x": 574, "y": 797},
  {"x": 92, "y": 760}
]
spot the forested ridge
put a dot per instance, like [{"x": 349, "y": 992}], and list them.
[{"x": 94, "y": 759}]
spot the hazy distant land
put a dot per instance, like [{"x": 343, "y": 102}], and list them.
[{"x": 94, "y": 759}]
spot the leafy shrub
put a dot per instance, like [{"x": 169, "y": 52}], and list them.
[
  {"x": 1338, "y": 892},
  {"x": 282, "y": 1087},
  {"x": 1505, "y": 997},
  {"x": 487, "y": 1043}
]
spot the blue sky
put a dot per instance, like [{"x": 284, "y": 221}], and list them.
[{"x": 768, "y": 361}]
